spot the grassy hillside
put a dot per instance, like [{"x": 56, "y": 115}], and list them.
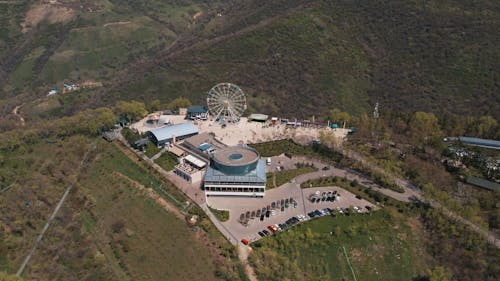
[
  {"x": 108, "y": 229},
  {"x": 411, "y": 55},
  {"x": 346, "y": 54},
  {"x": 315, "y": 250}
]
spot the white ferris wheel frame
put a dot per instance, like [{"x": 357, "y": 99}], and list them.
[{"x": 227, "y": 102}]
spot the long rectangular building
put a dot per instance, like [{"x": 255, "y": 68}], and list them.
[{"x": 167, "y": 134}]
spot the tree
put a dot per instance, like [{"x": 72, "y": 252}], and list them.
[
  {"x": 337, "y": 115},
  {"x": 104, "y": 119},
  {"x": 154, "y": 105},
  {"x": 487, "y": 127},
  {"x": 438, "y": 273},
  {"x": 133, "y": 110},
  {"x": 179, "y": 103},
  {"x": 425, "y": 126}
]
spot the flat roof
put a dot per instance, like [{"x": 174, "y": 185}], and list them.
[
  {"x": 177, "y": 151},
  {"x": 236, "y": 155},
  {"x": 177, "y": 130},
  {"x": 195, "y": 161},
  {"x": 257, "y": 175},
  {"x": 197, "y": 109},
  {"x": 484, "y": 183},
  {"x": 481, "y": 142},
  {"x": 258, "y": 116}
]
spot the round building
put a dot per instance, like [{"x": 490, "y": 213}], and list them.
[{"x": 237, "y": 171}]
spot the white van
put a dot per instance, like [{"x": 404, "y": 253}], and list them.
[{"x": 268, "y": 161}]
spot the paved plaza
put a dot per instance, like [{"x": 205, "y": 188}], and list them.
[
  {"x": 237, "y": 206},
  {"x": 244, "y": 132}
]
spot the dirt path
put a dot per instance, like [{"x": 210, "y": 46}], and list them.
[
  {"x": 83, "y": 164},
  {"x": 153, "y": 195},
  {"x": 15, "y": 111},
  {"x": 116, "y": 23},
  {"x": 243, "y": 253}
]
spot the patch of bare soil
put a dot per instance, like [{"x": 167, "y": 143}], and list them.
[
  {"x": 52, "y": 13},
  {"x": 116, "y": 23},
  {"x": 91, "y": 84}
]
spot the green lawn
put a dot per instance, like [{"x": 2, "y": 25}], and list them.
[
  {"x": 221, "y": 215},
  {"x": 151, "y": 150},
  {"x": 273, "y": 148},
  {"x": 167, "y": 161},
  {"x": 283, "y": 177},
  {"x": 313, "y": 250}
]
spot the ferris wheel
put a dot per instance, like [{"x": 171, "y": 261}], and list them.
[{"x": 226, "y": 102}]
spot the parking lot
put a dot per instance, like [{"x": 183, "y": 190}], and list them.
[{"x": 239, "y": 206}]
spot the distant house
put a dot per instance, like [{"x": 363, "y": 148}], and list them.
[
  {"x": 167, "y": 134},
  {"x": 197, "y": 112}
]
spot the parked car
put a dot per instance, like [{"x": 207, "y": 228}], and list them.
[
  {"x": 245, "y": 241},
  {"x": 261, "y": 234}
]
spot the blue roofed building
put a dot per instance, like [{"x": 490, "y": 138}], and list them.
[
  {"x": 235, "y": 171},
  {"x": 197, "y": 112},
  {"x": 167, "y": 134},
  {"x": 486, "y": 143}
]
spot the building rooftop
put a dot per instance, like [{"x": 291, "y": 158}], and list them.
[
  {"x": 176, "y": 130},
  {"x": 258, "y": 117},
  {"x": 257, "y": 175},
  {"x": 481, "y": 142},
  {"x": 195, "y": 109},
  {"x": 195, "y": 161},
  {"x": 484, "y": 183},
  {"x": 236, "y": 156}
]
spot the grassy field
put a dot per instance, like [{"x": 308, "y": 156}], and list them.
[
  {"x": 273, "y": 148},
  {"x": 40, "y": 173},
  {"x": 138, "y": 238},
  {"x": 283, "y": 177},
  {"x": 314, "y": 250},
  {"x": 151, "y": 150},
  {"x": 167, "y": 161},
  {"x": 221, "y": 215},
  {"x": 108, "y": 229},
  {"x": 145, "y": 242}
]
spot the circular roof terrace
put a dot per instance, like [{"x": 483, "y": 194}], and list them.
[{"x": 236, "y": 156}]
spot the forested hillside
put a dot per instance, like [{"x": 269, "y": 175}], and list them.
[{"x": 438, "y": 56}]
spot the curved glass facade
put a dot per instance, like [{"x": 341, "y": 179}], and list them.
[{"x": 235, "y": 170}]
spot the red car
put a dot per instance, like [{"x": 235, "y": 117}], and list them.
[{"x": 272, "y": 228}]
